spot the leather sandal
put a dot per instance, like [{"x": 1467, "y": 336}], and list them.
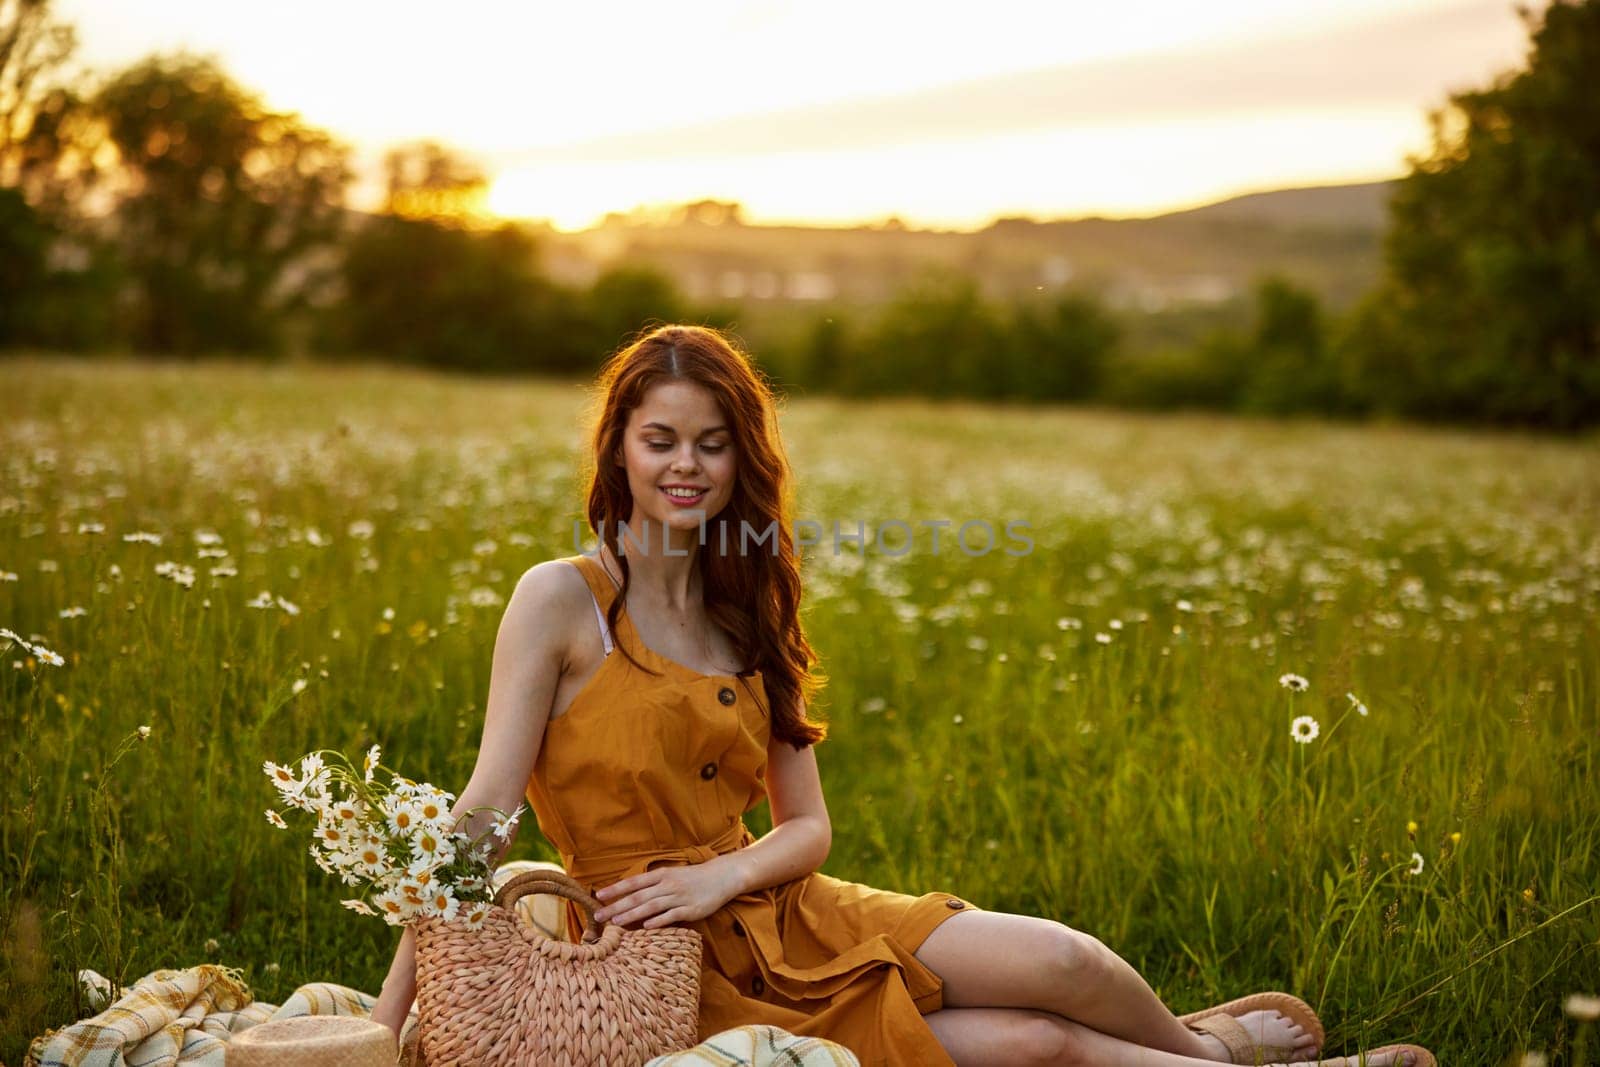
[{"x": 1221, "y": 1022}]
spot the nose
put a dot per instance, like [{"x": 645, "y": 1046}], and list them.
[{"x": 684, "y": 460}]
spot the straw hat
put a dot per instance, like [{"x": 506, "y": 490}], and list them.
[{"x": 315, "y": 1041}]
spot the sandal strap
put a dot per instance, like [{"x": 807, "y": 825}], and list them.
[{"x": 1231, "y": 1032}]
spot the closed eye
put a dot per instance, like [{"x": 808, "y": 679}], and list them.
[{"x": 661, "y": 446}]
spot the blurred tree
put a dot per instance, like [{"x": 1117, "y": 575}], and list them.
[
  {"x": 1287, "y": 367},
  {"x": 426, "y": 180},
  {"x": 711, "y": 213},
  {"x": 445, "y": 296},
  {"x": 33, "y": 48},
  {"x": 826, "y": 348},
  {"x": 58, "y": 287},
  {"x": 628, "y": 300},
  {"x": 231, "y": 211},
  {"x": 1488, "y": 309},
  {"x": 1061, "y": 348},
  {"x": 938, "y": 337}
]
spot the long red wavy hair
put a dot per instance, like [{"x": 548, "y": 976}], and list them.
[{"x": 754, "y": 595}]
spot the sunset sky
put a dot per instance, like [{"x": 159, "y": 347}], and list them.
[{"x": 843, "y": 111}]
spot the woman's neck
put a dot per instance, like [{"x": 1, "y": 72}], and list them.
[{"x": 663, "y": 564}]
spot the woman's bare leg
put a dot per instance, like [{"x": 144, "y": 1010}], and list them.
[
  {"x": 996, "y": 960},
  {"x": 1020, "y": 1037}
]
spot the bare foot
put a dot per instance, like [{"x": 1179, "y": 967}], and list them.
[{"x": 1272, "y": 1030}]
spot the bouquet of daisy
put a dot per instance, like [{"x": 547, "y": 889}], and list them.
[{"x": 396, "y": 840}]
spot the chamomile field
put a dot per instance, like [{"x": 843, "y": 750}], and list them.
[{"x": 1262, "y": 705}]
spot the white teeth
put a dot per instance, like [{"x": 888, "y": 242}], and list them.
[{"x": 685, "y": 493}]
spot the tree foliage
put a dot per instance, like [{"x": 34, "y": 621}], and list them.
[
  {"x": 229, "y": 211},
  {"x": 1489, "y": 307}
]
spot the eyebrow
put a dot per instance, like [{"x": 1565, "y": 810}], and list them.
[{"x": 669, "y": 429}]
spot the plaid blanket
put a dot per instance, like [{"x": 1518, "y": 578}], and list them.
[
  {"x": 760, "y": 1046},
  {"x": 173, "y": 1017}
]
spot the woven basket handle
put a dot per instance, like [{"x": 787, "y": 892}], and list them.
[{"x": 558, "y": 884}]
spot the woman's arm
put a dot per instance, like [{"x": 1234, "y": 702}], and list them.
[
  {"x": 801, "y": 834},
  {"x": 530, "y": 653},
  {"x": 796, "y": 845}
]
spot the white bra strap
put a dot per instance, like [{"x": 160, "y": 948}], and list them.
[{"x": 605, "y": 632}]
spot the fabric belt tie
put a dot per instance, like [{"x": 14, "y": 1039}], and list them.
[{"x": 596, "y": 872}]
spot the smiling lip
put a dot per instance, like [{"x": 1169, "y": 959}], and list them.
[{"x": 684, "y": 501}]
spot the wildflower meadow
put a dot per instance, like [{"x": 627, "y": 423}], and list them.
[{"x": 1260, "y": 704}]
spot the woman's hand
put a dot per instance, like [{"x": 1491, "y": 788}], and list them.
[{"x": 667, "y": 895}]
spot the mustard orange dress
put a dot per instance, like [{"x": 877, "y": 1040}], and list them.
[{"x": 644, "y": 771}]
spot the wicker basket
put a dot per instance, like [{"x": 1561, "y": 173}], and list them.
[{"x": 506, "y": 995}]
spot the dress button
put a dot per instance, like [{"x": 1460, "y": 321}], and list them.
[
  {"x": 757, "y": 986},
  {"x": 709, "y": 771},
  {"x": 954, "y": 905},
  {"x": 726, "y": 695},
  {"x": 738, "y": 928}
]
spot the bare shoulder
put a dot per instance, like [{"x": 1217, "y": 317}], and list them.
[{"x": 543, "y": 607}]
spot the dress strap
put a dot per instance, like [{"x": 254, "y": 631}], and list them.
[{"x": 602, "y": 591}]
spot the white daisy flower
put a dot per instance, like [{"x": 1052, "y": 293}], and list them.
[
  {"x": 442, "y": 903},
  {"x": 360, "y": 907},
  {"x": 433, "y": 807},
  {"x": 360, "y": 529},
  {"x": 47, "y": 656},
  {"x": 142, "y": 536},
  {"x": 1103, "y": 638},
  {"x": 1304, "y": 729},
  {"x": 276, "y": 820},
  {"x": 331, "y": 836},
  {"x": 471, "y": 883},
  {"x": 298, "y": 687},
  {"x": 401, "y": 814},
  {"x": 1416, "y": 864},
  {"x": 144, "y": 733},
  {"x": 261, "y": 600},
  {"x": 288, "y": 607},
  {"x": 177, "y": 572},
  {"x": 394, "y": 907},
  {"x": 1294, "y": 683},
  {"x": 369, "y": 766},
  {"x": 473, "y": 914},
  {"x": 1361, "y": 709},
  {"x": 1184, "y": 605},
  {"x": 369, "y": 857},
  {"x": 207, "y": 537},
  {"x": 281, "y": 776},
  {"x": 428, "y": 844},
  {"x": 322, "y": 862},
  {"x": 74, "y": 612},
  {"x": 1582, "y": 1007},
  {"x": 349, "y": 812},
  {"x": 505, "y": 824}
]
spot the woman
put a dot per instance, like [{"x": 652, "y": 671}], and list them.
[{"x": 647, "y": 697}]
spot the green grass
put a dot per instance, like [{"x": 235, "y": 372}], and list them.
[{"x": 984, "y": 742}]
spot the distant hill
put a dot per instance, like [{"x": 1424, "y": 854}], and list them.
[
  {"x": 1366, "y": 204},
  {"x": 1328, "y": 239}
]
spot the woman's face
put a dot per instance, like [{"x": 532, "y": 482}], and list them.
[{"x": 679, "y": 453}]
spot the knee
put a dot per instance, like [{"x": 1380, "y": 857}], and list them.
[
  {"x": 1079, "y": 963},
  {"x": 1046, "y": 1040}
]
